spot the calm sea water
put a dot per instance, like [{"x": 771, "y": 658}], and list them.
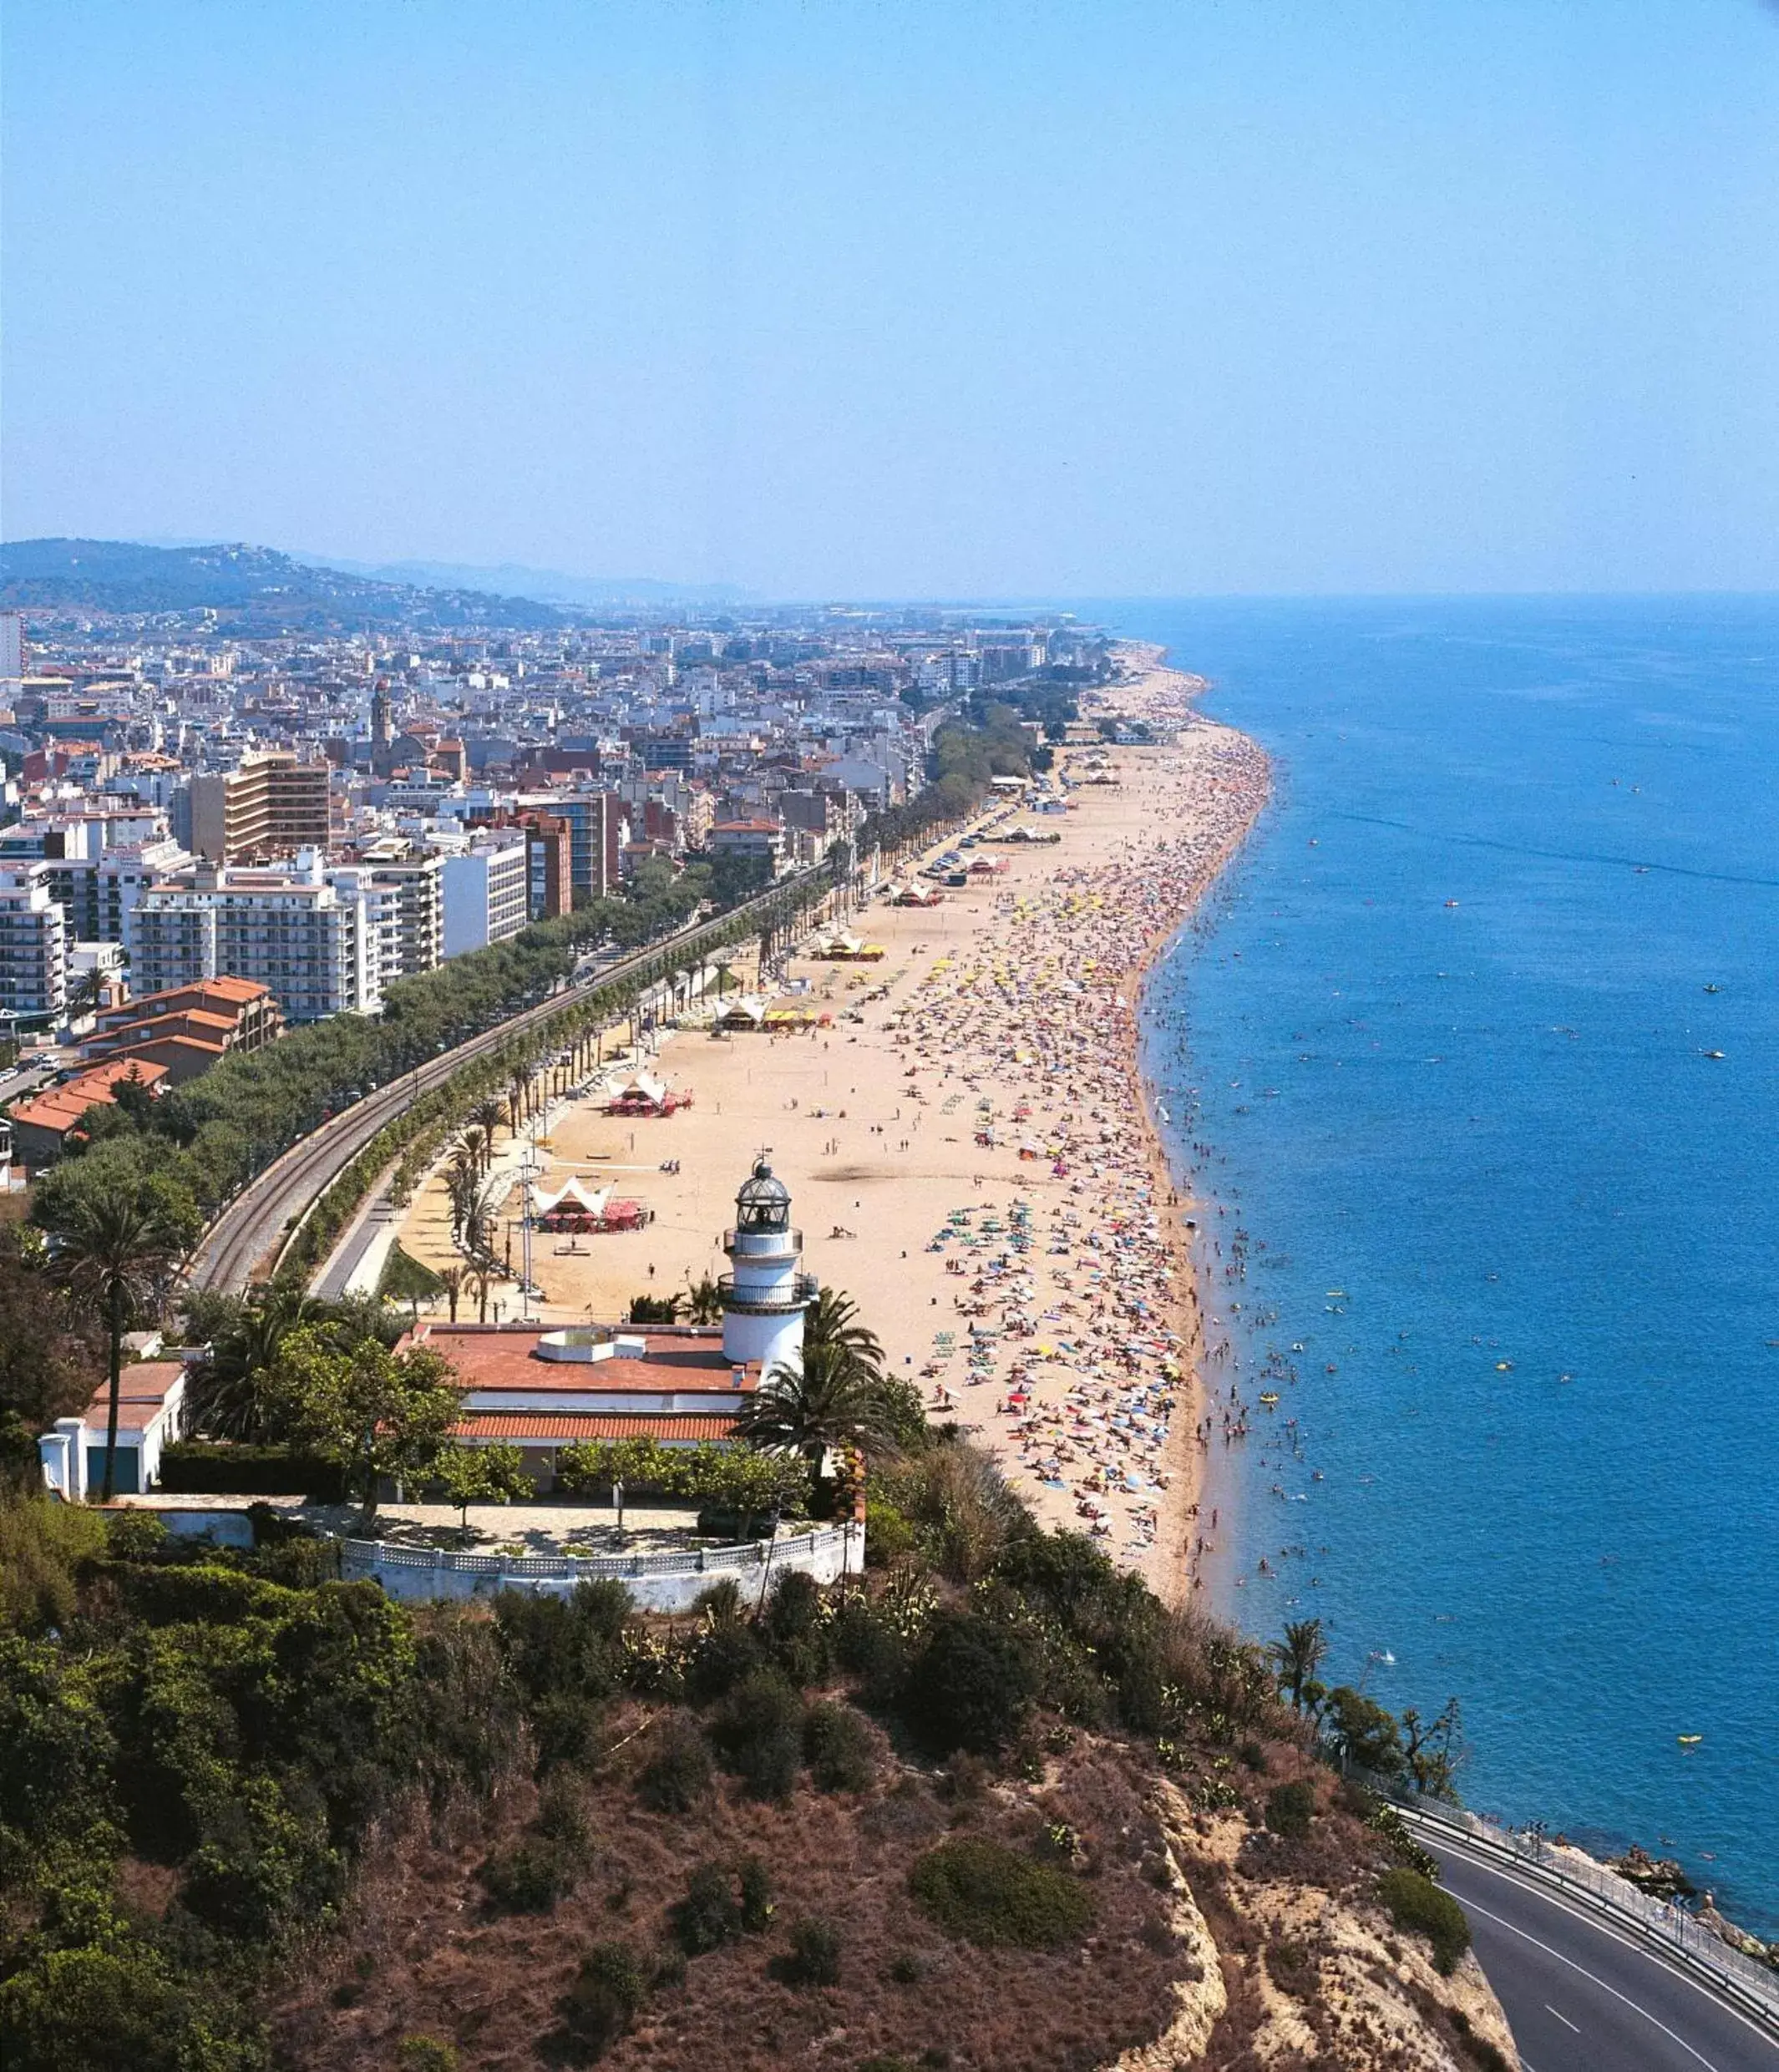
[{"x": 1447, "y": 1038}]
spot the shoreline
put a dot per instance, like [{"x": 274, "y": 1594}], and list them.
[
  {"x": 1170, "y": 701},
  {"x": 970, "y": 1142}
]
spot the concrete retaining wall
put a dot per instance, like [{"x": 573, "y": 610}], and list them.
[
  {"x": 657, "y": 1583},
  {"x": 227, "y": 1529}
]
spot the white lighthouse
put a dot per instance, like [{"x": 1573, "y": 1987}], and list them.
[{"x": 765, "y": 1295}]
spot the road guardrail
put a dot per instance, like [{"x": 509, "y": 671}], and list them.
[{"x": 1663, "y": 1926}]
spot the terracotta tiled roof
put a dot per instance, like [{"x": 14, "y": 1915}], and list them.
[
  {"x": 595, "y": 1424},
  {"x": 61, "y": 1107}
]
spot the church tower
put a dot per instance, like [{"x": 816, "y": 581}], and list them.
[
  {"x": 383, "y": 716},
  {"x": 765, "y": 1294}
]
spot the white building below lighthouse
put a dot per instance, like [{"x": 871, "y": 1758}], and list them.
[{"x": 766, "y": 1291}]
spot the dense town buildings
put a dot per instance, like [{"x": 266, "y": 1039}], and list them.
[{"x": 186, "y": 801}]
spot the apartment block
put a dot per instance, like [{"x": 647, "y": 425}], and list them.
[
  {"x": 599, "y": 826},
  {"x": 549, "y": 865},
  {"x": 487, "y": 895},
  {"x": 416, "y": 884},
  {"x": 33, "y": 949},
  {"x": 313, "y": 945},
  {"x": 271, "y": 806}
]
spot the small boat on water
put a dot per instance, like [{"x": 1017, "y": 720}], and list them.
[
  {"x": 1716, "y": 1054},
  {"x": 1269, "y": 1397},
  {"x": 1689, "y": 1740}
]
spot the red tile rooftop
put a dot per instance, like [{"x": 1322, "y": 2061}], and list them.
[{"x": 595, "y": 1424}]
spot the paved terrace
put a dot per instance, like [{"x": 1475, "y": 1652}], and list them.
[{"x": 519, "y": 1528}]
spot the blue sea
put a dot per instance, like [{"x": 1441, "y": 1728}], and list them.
[{"x": 1448, "y": 1039}]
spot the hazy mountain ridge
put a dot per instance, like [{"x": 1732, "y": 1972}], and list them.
[
  {"x": 549, "y": 586},
  {"x": 258, "y": 586}
]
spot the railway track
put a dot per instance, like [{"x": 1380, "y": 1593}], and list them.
[{"x": 248, "y": 1229}]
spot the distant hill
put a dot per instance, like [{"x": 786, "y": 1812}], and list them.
[
  {"x": 549, "y": 586},
  {"x": 253, "y": 590}
]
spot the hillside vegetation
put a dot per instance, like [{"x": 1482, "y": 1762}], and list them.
[{"x": 993, "y": 1805}]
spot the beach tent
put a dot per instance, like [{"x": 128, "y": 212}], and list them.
[
  {"x": 640, "y": 1093},
  {"x": 842, "y": 946},
  {"x": 573, "y": 1205},
  {"x": 749, "y": 1011}
]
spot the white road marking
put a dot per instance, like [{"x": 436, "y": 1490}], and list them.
[
  {"x": 1563, "y": 2018},
  {"x": 1600, "y": 1926},
  {"x": 1500, "y": 1921}
]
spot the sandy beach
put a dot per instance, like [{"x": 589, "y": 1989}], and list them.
[{"x": 966, "y": 1145}]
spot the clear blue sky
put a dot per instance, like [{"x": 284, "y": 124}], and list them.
[{"x": 1110, "y": 297}]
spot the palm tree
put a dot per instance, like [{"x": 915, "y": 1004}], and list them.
[
  {"x": 462, "y": 1182},
  {"x": 86, "y": 994},
  {"x": 479, "y": 1219},
  {"x": 226, "y": 1401},
  {"x": 488, "y": 1114},
  {"x": 704, "y": 1300},
  {"x": 832, "y": 1320},
  {"x": 476, "y": 1141},
  {"x": 1298, "y": 1656},
  {"x": 452, "y": 1277},
  {"x": 828, "y": 1399},
  {"x": 115, "y": 1253}
]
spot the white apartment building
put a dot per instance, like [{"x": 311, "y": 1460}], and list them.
[
  {"x": 33, "y": 948},
  {"x": 414, "y": 885},
  {"x": 317, "y": 947},
  {"x": 487, "y": 895}
]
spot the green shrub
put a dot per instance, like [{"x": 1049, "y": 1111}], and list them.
[
  {"x": 426, "y": 2053},
  {"x": 118, "y": 2010},
  {"x": 708, "y": 1916},
  {"x": 609, "y": 1992},
  {"x": 723, "y": 1657},
  {"x": 837, "y": 1745},
  {"x": 972, "y": 1685},
  {"x": 134, "y": 1535},
  {"x": 677, "y": 1777},
  {"x": 44, "y": 1546},
  {"x": 989, "y": 1895},
  {"x": 1388, "y": 1825},
  {"x": 758, "y": 1733},
  {"x": 869, "y": 1647},
  {"x": 564, "y": 1727},
  {"x": 814, "y": 1958},
  {"x": 199, "y": 1593},
  {"x": 561, "y": 1812},
  {"x": 1418, "y": 1906},
  {"x": 794, "y": 1628},
  {"x": 889, "y": 1534},
  {"x": 1290, "y": 1808},
  {"x": 530, "y": 1875},
  {"x": 756, "y": 1909},
  {"x": 571, "y": 1645}
]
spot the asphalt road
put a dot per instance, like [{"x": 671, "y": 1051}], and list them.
[{"x": 1582, "y": 1997}]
